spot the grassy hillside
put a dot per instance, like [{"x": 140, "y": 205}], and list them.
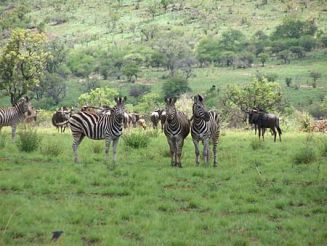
[{"x": 258, "y": 195}]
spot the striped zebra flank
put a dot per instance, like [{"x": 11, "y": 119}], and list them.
[
  {"x": 205, "y": 127},
  {"x": 176, "y": 129},
  {"x": 98, "y": 127},
  {"x": 12, "y": 116}
]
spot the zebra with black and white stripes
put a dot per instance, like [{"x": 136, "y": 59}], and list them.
[
  {"x": 205, "y": 127},
  {"x": 98, "y": 127},
  {"x": 14, "y": 115},
  {"x": 176, "y": 129}
]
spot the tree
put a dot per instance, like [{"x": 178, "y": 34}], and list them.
[
  {"x": 285, "y": 56},
  {"x": 207, "y": 50},
  {"x": 99, "y": 97},
  {"x": 149, "y": 102},
  {"x": 22, "y": 63},
  {"x": 175, "y": 86},
  {"x": 232, "y": 40},
  {"x": 263, "y": 58},
  {"x": 294, "y": 29},
  {"x": 131, "y": 70},
  {"x": 258, "y": 93}
]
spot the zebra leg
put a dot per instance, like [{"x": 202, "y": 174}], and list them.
[
  {"x": 206, "y": 150},
  {"x": 197, "y": 151},
  {"x": 179, "y": 148},
  {"x": 76, "y": 141},
  {"x": 114, "y": 149},
  {"x": 172, "y": 152},
  {"x": 108, "y": 142},
  {"x": 215, "y": 142},
  {"x": 13, "y": 132}
]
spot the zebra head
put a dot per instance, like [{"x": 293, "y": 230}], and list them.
[
  {"x": 199, "y": 110},
  {"x": 24, "y": 105},
  {"x": 118, "y": 110},
  {"x": 170, "y": 108}
]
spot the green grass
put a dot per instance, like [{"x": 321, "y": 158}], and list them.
[{"x": 254, "y": 197}]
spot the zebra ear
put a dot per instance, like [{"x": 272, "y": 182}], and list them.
[
  {"x": 116, "y": 99},
  {"x": 166, "y": 99},
  {"x": 174, "y": 99},
  {"x": 125, "y": 98},
  {"x": 200, "y": 98}
]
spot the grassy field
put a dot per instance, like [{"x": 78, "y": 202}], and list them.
[{"x": 258, "y": 195}]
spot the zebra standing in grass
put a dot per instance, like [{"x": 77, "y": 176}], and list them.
[
  {"x": 97, "y": 127},
  {"x": 12, "y": 116},
  {"x": 205, "y": 127},
  {"x": 176, "y": 129}
]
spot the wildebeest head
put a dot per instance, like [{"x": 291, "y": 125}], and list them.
[{"x": 199, "y": 110}]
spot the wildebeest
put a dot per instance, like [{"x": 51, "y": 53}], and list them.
[
  {"x": 155, "y": 118},
  {"x": 263, "y": 120},
  {"x": 60, "y": 116}
]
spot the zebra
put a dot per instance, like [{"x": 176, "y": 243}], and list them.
[
  {"x": 97, "y": 127},
  {"x": 61, "y": 115},
  {"x": 176, "y": 129},
  {"x": 12, "y": 116},
  {"x": 205, "y": 126}
]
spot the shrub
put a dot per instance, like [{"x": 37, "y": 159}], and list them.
[
  {"x": 175, "y": 86},
  {"x": 136, "y": 140},
  {"x": 28, "y": 140},
  {"x": 52, "y": 148},
  {"x": 305, "y": 155}
]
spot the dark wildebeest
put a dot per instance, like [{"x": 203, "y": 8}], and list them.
[
  {"x": 263, "y": 120},
  {"x": 60, "y": 116}
]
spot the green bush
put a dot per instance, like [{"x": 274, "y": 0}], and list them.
[
  {"x": 28, "y": 140},
  {"x": 305, "y": 155},
  {"x": 52, "y": 148},
  {"x": 136, "y": 140},
  {"x": 175, "y": 86}
]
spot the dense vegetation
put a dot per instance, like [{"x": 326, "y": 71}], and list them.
[
  {"x": 164, "y": 47},
  {"x": 239, "y": 54}
]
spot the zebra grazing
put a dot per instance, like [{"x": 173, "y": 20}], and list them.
[
  {"x": 205, "y": 127},
  {"x": 12, "y": 116},
  {"x": 176, "y": 129},
  {"x": 97, "y": 127}
]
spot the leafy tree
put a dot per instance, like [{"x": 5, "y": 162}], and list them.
[
  {"x": 298, "y": 51},
  {"x": 307, "y": 42},
  {"x": 22, "y": 63},
  {"x": 285, "y": 56},
  {"x": 175, "y": 86},
  {"x": 173, "y": 49},
  {"x": 149, "y": 102},
  {"x": 258, "y": 93},
  {"x": 232, "y": 40},
  {"x": 294, "y": 29},
  {"x": 263, "y": 58},
  {"x": 99, "y": 97},
  {"x": 15, "y": 17},
  {"x": 207, "y": 50},
  {"x": 81, "y": 63},
  {"x": 131, "y": 70}
]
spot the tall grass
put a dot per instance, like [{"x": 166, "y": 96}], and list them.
[{"x": 29, "y": 140}]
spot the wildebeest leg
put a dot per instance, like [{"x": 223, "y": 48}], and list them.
[
  {"x": 259, "y": 131},
  {"x": 114, "y": 149},
  {"x": 13, "y": 132},
  {"x": 279, "y": 133},
  {"x": 206, "y": 150},
  {"x": 197, "y": 152},
  {"x": 274, "y": 132},
  {"x": 263, "y": 133},
  {"x": 255, "y": 129},
  {"x": 107, "y": 147},
  {"x": 78, "y": 138}
]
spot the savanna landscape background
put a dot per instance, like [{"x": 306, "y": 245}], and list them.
[{"x": 238, "y": 54}]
